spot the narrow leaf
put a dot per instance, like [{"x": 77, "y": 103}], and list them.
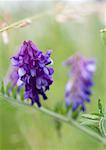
[
  {"x": 100, "y": 107},
  {"x": 90, "y": 116},
  {"x": 102, "y": 126}
]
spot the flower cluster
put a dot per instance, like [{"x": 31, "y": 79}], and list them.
[
  {"x": 78, "y": 88},
  {"x": 32, "y": 71}
]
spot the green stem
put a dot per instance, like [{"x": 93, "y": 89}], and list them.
[
  {"x": 15, "y": 24},
  {"x": 71, "y": 121},
  {"x": 59, "y": 117}
]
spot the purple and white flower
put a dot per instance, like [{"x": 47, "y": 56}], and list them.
[
  {"x": 32, "y": 71},
  {"x": 78, "y": 88}
]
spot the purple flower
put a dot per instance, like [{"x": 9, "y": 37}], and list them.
[
  {"x": 32, "y": 71},
  {"x": 14, "y": 76},
  {"x": 78, "y": 88}
]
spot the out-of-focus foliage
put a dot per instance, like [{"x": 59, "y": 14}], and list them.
[{"x": 21, "y": 128}]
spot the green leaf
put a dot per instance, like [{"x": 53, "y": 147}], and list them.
[
  {"x": 2, "y": 89},
  {"x": 102, "y": 126},
  {"x": 8, "y": 87},
  {"x": 60, "y": 108},
  {"x": 103, "y": 34},
  {"x": 58, "y": 126},
  {"x": 90, "y": 116},
  {"x": 14, "y": 92},
  {"x": 21, "y": 94},
  {"x": 100, "y": 107},
  {"x": 90, "y": 123}
]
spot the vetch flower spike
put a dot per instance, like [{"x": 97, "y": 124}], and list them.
[
  {"x": 32, "y": 72},
  {"x": 78, "y": 88}
]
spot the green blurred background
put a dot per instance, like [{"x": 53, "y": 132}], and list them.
[{"x": 71, "y": 28}]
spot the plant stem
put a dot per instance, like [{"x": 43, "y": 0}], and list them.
[
  {"x": 59, "y": 117},
  {"x": 71, "y": 121},
  {"x": 18, "y": 23}
]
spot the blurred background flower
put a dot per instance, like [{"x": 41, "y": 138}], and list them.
[
  {"x": 21, "y": 128},
  {"x": 78, "y": 88}
]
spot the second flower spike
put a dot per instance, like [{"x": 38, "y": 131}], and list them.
[{"x": 78, "y": 88}]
